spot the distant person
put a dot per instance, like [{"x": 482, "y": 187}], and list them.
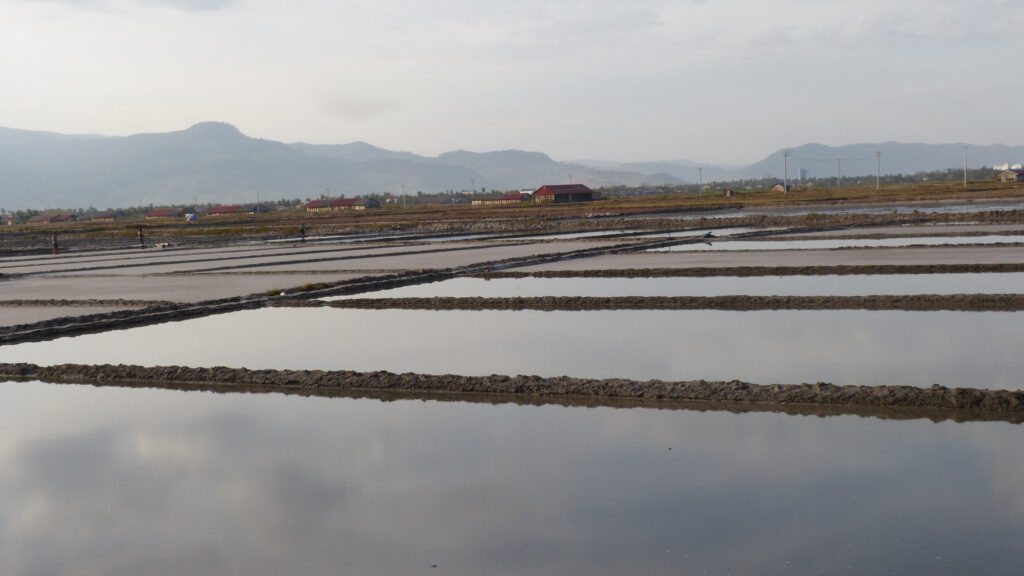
[
  {"x": 142, "y": 239},
  {"x": 302, "y": 231},
  {"x": 53, "y": 242}
]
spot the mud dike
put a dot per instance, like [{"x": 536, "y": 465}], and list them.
[
  {"x": 917, "y": 302},
  {"x": 937, "y": 402}
]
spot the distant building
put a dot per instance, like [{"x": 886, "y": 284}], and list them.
[
  {"x": 165, "y": 213},
  {"x": 510, "y": 199},
  {"x": 354, "y": 204},
  {"x": 1011, "y": 175},
  {"x": 517, "y": 197},
  {"x": 803, "y": 173},
  {"x": 224, "y": 210},
  {"x": 53, "y": 218},
  {"x": 106, "y": 216},
  {"x": 319, "y": 206},
  {"x": 486, "y": 200},
  {"x": 43, "y": 219},
  {"x": 560, "y": 193}
]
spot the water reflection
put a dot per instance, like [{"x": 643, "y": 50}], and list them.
[
  {"x": 825, "y": 285},
  {"x": 832, "y": 243},
  {"x": 974, "y": 349},
  {"x": 117, "y": 481}
]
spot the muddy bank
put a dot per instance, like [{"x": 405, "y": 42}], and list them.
[
  {"x": 958, "y": 302},
  {"x": 751, "y": 271},
  {"x": 966, "y": 401}
]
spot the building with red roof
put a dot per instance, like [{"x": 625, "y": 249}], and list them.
[
  {"x": 319, "y": 206},
  {"x": 224, "y": 210},
  {"x": 165, "y": 213},
  {"x": 559, "y": 193},
  {"x": 43, "y": 219},
  {"x": 354, "y": 204}
]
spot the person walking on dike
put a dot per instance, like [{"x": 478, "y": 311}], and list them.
[
  {"x": 302, "y": 231},
  {"x": 53, "y": 242},
  {"x": 142, "y": 239}
]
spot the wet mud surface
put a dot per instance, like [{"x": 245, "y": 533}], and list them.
[
  {"x": 958, "y": 302},
  {"x": 936, "y": 402}
]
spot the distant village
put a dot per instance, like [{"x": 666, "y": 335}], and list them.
[{"x": 549, "y": 193}]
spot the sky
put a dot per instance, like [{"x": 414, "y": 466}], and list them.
[{"x": 727, "y": 81}]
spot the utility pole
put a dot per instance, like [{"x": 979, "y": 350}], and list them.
[
  {"x": 785, "y": 172},
  {"x": 878, "y": 170},
  {"x": 965, "y": 165},
  {"x": 839, "y": 172},
  {"x": 700, "y": 182},
  {"x": 570, "y": 178}
]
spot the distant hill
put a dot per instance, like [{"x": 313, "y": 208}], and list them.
[
  {"x": 897, "y": 158},
  {"x": 214, "y": 162}
]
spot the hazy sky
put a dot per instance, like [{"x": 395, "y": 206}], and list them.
[{"x": 707, "y": 80}]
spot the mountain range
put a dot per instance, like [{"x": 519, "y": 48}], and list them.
[
  {"x": 213, "y": 162},
  {"x": 821, "y": 161}
]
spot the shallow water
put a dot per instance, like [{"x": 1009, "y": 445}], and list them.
[
  {"x": 832, "y": 243},
  {"x": 974, "y": 349},
  {"x": 132, "y": 481},
  {"x": 828, "y": 285}
]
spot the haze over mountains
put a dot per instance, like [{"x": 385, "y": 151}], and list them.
[{"x": 213, "y": 162}]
